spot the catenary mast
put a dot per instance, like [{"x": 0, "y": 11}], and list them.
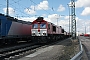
[
  {"x": 73, "y": 20},
  {"x": 7, "y": 11}
]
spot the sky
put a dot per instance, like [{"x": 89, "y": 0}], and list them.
[{"x": 55, "y": 11}]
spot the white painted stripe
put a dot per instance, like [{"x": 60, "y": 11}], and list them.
[{"x": 41, "y": 51}]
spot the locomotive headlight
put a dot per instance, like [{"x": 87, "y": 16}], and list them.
[
  {"x": 44, "y": 33},
  {"x": 33, "y": 34}
]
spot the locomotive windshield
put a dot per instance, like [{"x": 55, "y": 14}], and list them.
[
  {"x": 43, "y": 25},
  {"x": 35, "y": 25}
]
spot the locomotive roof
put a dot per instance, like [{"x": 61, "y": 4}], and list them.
[
  {"x": 39, "y": 19},
  {"x": 15, "y": 19}
]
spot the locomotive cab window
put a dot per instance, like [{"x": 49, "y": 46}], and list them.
[
  {"x": 43, "y": 25},
  {"x": 35, "y": 25}
]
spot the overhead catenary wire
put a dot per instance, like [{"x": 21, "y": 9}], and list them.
[
  {"x": 18, "y": 9},
  {"x": 52, "y": 6},
  {"x": 24, "y": 8}
]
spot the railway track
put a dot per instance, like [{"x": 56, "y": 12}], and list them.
[{"x": 17, "y": 51}]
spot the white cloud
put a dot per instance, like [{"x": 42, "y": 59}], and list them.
[
  {"x": 53, "y": 18},
  {"x": 84, "y": 3},
  {"x": 61, "y": 8},
  {"x": 42, "y": 5},
  {"x": 67, "y": 17},
  {"x": 81, "y": 24},
  {"x": 86, "y": 11},
  {"x": 29, "y": 11},
  {"x": 32, "y": 7},
  {"x": 27, "y": 19},
  {"x": 11, "y": 11}
]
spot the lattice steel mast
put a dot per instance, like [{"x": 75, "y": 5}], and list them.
[{"x": 73, "y": 20}]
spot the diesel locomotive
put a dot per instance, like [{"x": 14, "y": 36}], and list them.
[{"x": 44, "y": 32}]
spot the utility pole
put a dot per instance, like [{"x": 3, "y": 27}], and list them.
[
  {"x": 69, "y": 18},
  {"x": 7, "y": 12},
  {"x": 73, "y": 20},
  {"x": 85, "y": 29}
]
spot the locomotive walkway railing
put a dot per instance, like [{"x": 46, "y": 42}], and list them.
[{"x": 78, "y": 56}]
